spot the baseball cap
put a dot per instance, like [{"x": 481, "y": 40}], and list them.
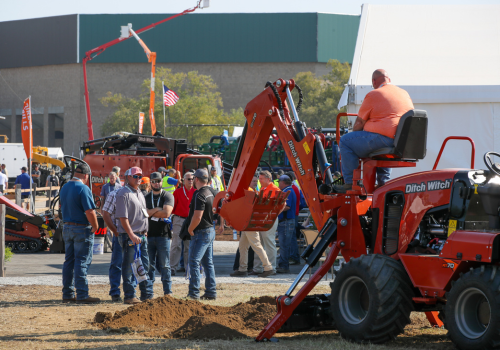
[
  {"x": 162, "y": 169},
  {"x": 201, "y": 173},
  {"x": 155, "y": 176},
  {"x": 133, "y": 171},
  {"x": 83, "y": 169},
  {"x": 285, "y": 178},
  {"x": 24, "y": 168},
  {"x": 145, "y": 180}
]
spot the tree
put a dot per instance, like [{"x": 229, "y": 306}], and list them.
[
  {"x": 322, "y": 95},
  {"x": 199, "y": 103}
]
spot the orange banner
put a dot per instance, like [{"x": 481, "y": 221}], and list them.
[
  {"x": 141, "y": 122},
  {"x": 26, "y": 129}
]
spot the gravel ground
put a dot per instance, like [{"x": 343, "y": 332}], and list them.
[
  {"x": 52, "y": 277},
  {"x": 57, "y": 281}
]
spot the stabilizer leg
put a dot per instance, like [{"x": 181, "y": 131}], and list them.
[{"x": 286, "y": 304}]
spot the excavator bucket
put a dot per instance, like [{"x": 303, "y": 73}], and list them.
[{"x": 252, "y": 212}]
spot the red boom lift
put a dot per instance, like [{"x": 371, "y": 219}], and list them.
[
  {"x": 427, "y": 241},
  {"x": 91, "y": 54}
]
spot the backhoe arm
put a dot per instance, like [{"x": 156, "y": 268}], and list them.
[{"x": 243, "y": 209}]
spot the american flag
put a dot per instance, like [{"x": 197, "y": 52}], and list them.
[{"x": 170, "y": 98}]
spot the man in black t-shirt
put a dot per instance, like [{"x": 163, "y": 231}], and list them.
[
  {"x": 159, "y": 204},
  {"x": 35, "y": 174},
  {"x": 202, "y": 233}
]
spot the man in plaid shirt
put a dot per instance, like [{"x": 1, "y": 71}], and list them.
[{"x": 115, "y": 268}]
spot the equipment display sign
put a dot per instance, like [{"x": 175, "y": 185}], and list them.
[
  {"x": 433, "y": 185},
  {"x": 26, "y": 128}
]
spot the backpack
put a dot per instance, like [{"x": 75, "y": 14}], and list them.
[{"x": 54, "y": 181}]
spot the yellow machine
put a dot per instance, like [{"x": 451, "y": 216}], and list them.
[{"x": 41, "y": 155}]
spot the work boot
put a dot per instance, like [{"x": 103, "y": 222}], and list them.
[
  {"x": 116, "y": 299},
  {"x": 206, "y": 297},
  {"x": 190, "y": 297},
  {"x": 267, "y": 273},
  {"x": 181, "y": 269},
  {"x": 132, "y": 301},
  {"x": 70, "y": 300},
  {"x": 172, "y": 272},
  {"x": 239, "y": 274},
  {"x": 281, "y": 270},
  {"x": 89, "y": 300},
  {"x": 342, "y": 188},
  {"x": 253, "y": 273}
]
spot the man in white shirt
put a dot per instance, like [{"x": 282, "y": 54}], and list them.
[{"x": 4, "y": 183}]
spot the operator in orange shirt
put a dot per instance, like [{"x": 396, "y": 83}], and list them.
[{"x": 375, "y": 127}]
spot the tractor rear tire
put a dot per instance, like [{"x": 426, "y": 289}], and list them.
[
  {"x": 371, "y": 299},
  {"x": 473, "y": 309}
]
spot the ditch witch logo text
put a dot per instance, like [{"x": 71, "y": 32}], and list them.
[{"x": 429, "y": 186}]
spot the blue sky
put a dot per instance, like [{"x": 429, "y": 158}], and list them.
[{"x": 15, "y": 10}]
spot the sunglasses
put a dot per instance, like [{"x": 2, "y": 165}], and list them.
[
  {"x": 137, "y": 176},
  {"x": 155, "y": 181},
  {"x": 190, "y": 179}
]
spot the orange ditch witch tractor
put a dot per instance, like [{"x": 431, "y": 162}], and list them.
[{"x": 426, "y": 242}]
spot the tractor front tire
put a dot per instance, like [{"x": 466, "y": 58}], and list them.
[
  {"x": 371, "y": 299},
  {"x": 473, "y": 309}
]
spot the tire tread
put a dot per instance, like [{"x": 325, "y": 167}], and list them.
[{"x": 394, "y": 294}]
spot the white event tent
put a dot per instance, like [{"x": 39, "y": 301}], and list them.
[{"x": 448, "y": 59}]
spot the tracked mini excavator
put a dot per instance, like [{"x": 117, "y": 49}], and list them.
[{"x": 426, "y": 242}]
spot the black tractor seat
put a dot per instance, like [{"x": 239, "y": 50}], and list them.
[{"x": 410, "y": 141}]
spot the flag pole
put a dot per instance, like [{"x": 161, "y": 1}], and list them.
[
  {"x": 32, "y": 203},
  {"x": 163, "y": 103}
]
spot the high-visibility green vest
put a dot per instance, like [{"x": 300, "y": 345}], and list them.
[
  {"x": 220, "y": 182},
  {"x": 166, "y": 186},
  {"x": 217, "y": 184},
  {"x": 277, "y": 182}
]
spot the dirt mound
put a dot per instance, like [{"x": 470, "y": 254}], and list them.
[
  {"x": 263, "y": 300},
  {"x": 101, "y": 317},
  {"x": 174, "y": 318}
]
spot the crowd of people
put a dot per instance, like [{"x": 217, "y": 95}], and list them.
[{"x": 167, "y": 224}]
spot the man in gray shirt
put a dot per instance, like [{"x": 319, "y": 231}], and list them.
[{"x": 132, "y": 214}]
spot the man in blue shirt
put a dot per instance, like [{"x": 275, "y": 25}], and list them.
[
  {"x": 24, "y": 180},
  {"x": 80, "y": 223},
  {"x": 112, "y": 185},
  {"x": 286, "y": 224}
]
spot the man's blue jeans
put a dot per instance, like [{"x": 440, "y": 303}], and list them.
[
  {"x": 115, "y": 267},
  {"x": 200, "y": 252},
  {"x": 78, "y": 242},
  {"x": 159, "y": 249},
  {"x": 129, "y": 281},
  {"x": 294, "y": 245},
  {"x": 286, "y": 230},
  {"x": 359, "y": 144}
]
